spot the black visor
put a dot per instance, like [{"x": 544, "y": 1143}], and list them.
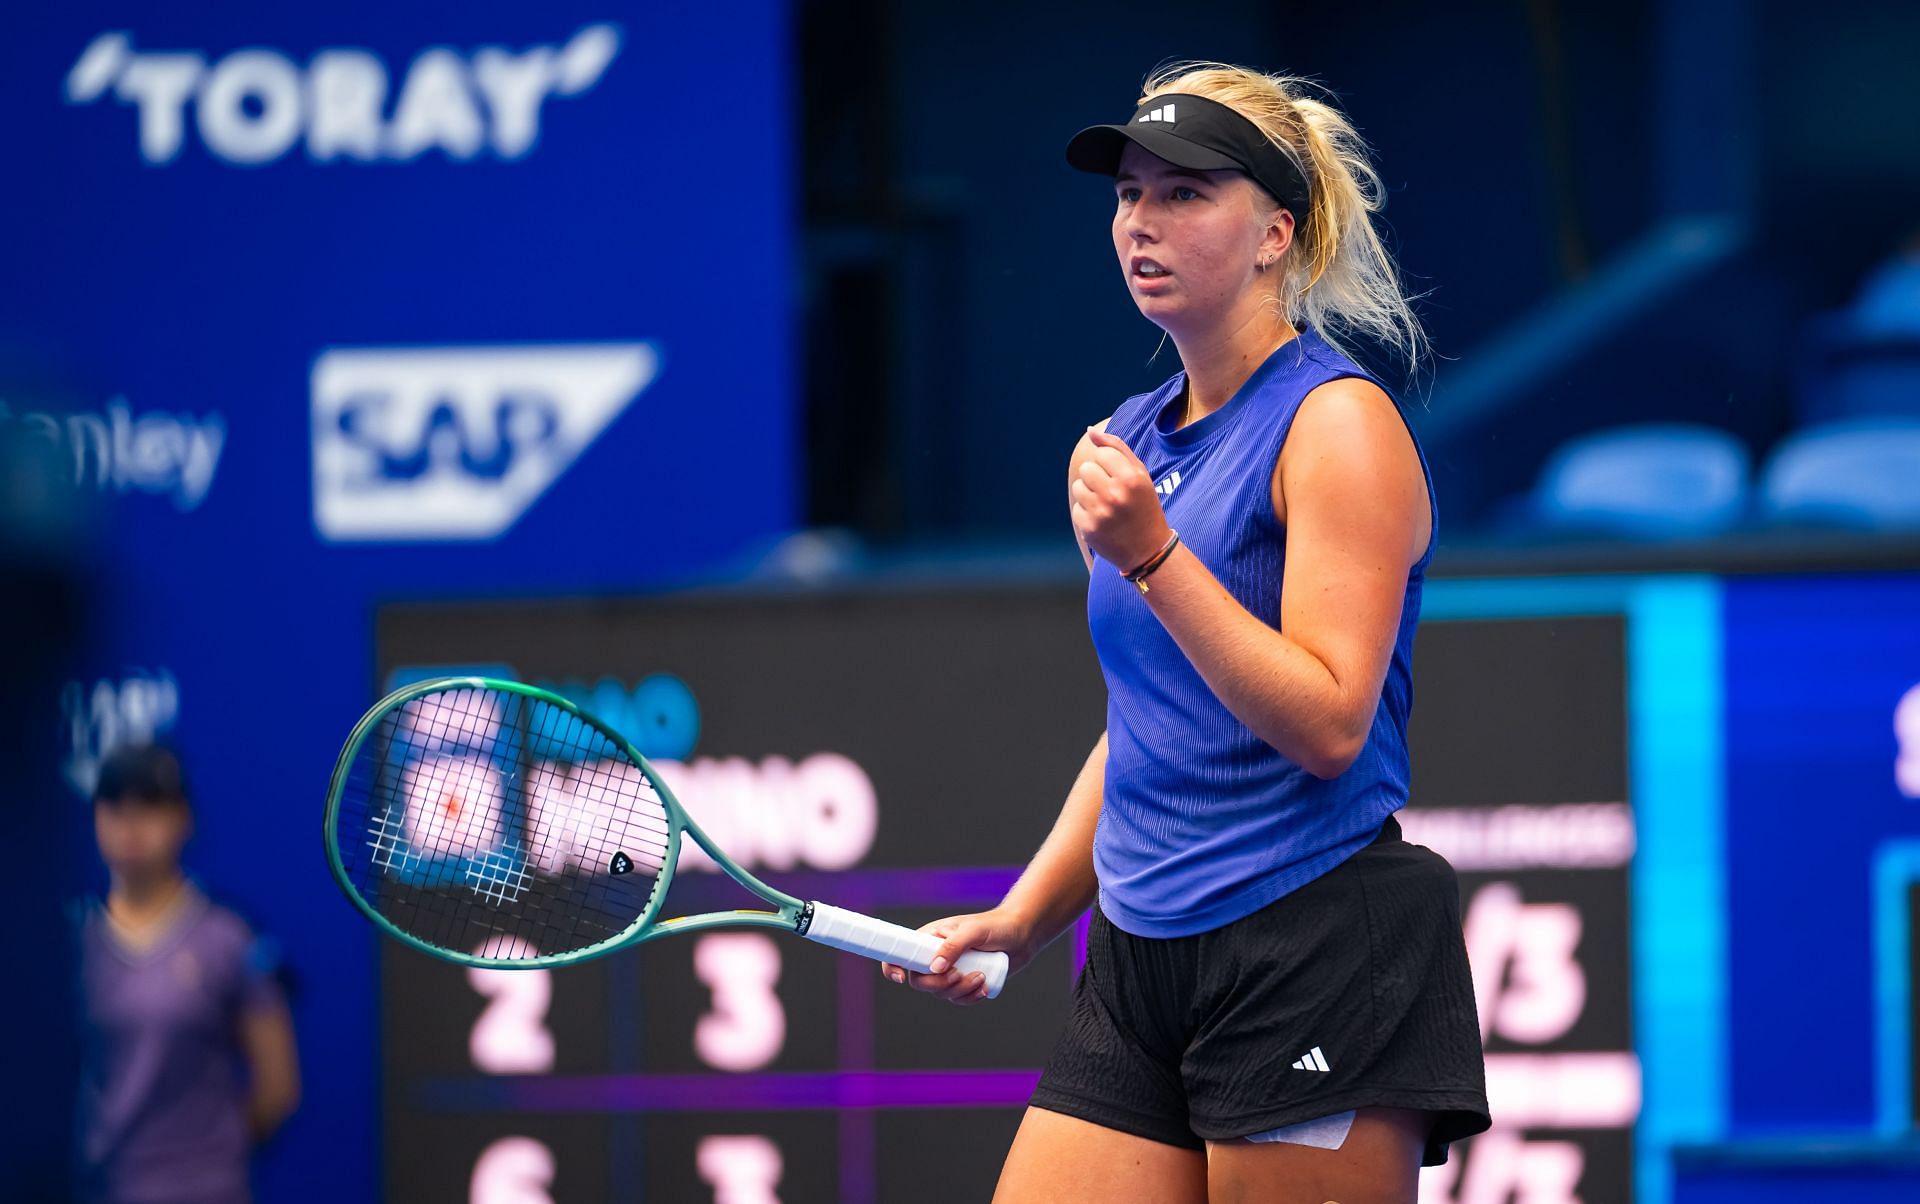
[{"x": 1198, "y": 134}]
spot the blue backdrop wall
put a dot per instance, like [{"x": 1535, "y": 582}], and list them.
[{"x": 333, "y": 304}]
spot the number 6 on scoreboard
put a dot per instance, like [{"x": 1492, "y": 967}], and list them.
[{"x": 494, "y": 824}]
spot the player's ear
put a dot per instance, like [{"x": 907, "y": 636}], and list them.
[{"x": 1275, "y": 239}]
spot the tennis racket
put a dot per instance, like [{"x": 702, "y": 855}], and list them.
[{"x": 494, "y": 824}]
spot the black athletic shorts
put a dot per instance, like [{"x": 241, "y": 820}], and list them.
[{"x": 1351, "y": 992}]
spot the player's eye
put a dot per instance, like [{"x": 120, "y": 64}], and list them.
[
  {"x": 1129, "y": 195},
  {"x": 1184, "y": 193}
]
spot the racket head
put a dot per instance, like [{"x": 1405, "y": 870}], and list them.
[{"x": 495, "y": 824}]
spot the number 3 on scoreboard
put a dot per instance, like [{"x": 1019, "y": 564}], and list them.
[{"x": 747, "y": 1026}]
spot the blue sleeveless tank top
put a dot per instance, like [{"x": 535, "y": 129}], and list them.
[{"x": 1203, "y": 822}]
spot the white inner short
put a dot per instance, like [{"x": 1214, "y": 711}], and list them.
[{"x": 1322, "y": 1133}]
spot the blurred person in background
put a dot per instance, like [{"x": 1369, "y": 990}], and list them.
[{"x": 188, "y": 1049}]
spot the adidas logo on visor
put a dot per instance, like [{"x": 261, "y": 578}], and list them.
[{"x": 1163, "y": 113}]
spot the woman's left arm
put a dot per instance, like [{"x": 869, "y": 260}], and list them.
[{"x": 1350, "y": 485}]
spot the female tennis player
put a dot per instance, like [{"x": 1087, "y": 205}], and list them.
[{"x": 1276, "y": 1004}]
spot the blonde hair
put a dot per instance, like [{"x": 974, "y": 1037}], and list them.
[{"x": 1338, "y": 277}]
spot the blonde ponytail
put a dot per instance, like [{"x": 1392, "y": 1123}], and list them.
[{"x": 1338, "y": 278}]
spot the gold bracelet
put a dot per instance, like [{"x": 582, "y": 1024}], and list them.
[{"x": 1139, "y": 575}]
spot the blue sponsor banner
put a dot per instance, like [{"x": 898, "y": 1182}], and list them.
[{"x": 343, "y": 303}]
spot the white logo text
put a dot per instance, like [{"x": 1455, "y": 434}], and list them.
[
  {"x": 253, "y": 105},
  {"x": 456, "y": 443}
]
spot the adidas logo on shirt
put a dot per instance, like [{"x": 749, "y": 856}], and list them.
[
  {"x": 1163, "y": 113},
  {"x": 1168, "y": 484},
  {"x": 1315, "y": 1060}
]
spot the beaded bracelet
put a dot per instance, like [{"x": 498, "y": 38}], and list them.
[{"x": 1139, "y": 576}]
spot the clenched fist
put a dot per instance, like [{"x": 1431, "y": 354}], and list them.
[{"x": 1115, "y": 508}]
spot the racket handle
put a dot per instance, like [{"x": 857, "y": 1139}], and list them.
[{"x": 855, "y": 933}]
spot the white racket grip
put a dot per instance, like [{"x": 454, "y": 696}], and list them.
[{"x": 855, "y": 933}]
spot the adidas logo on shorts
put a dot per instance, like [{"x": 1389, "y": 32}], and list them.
[{"x": 1315, "y": 1060}]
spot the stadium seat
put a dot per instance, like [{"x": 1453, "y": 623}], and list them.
[
  {"x": 1850, "y": 367},
  {"x": 1863, "y": 473},
  {"x": 1656, "y": 481}
]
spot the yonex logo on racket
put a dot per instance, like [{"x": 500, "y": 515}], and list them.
[{"x": 456, "y": 443}]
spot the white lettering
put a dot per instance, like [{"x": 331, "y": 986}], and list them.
[
  {"x": 822, "y": 812},
  {"x": 1906, "y": 734},
  {"x": 253, "y": 105},
  {"x": 160, "y": 85},
  {"x": 1527, "y": 983},
  {"x": 1504, "y": 1168},
  {"x": 515, "y": 86},
  {"x": 585, "y": 58},
  {"x": 158, "y": 453},
  {"x": 103, "y": 715},
  {"x": 1564, "y": 1090},
  {"x": 97, "y": 67},
  {"x": 345, "y": 92},
  {"x": 1502, "y": 839},
  {"x": 204, "y": 443},
  {"x": 435, "y": 109},
  {"x": 835, "y": 811},
  {"x": 241, "y": 83},
  {"x": 457, "y": 442}
]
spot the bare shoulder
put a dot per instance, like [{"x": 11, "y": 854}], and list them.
[
  {"x": 1349, "y": 440},
  {"x": 1343, "y": 417}
]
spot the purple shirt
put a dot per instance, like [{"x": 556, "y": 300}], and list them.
[{"x": 162, "y": 1089}]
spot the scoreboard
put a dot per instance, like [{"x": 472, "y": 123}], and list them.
[
  {"x": 1519, "y": 747},
  {"x": 900, "y": 754},
  {"x": 902, "y": 751}
]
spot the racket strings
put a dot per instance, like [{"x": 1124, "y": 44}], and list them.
[{"x": 489, "y": 822}]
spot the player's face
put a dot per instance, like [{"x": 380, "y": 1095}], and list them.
[
  {"x": 138, "y": 837},
  {"x": 1189, "y": 242}
]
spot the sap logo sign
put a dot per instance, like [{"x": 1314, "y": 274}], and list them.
[
  {"x": 253, "y": 105},
  {"x": 100, "y": 716},
  {"x": 455, "y": 443}
]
